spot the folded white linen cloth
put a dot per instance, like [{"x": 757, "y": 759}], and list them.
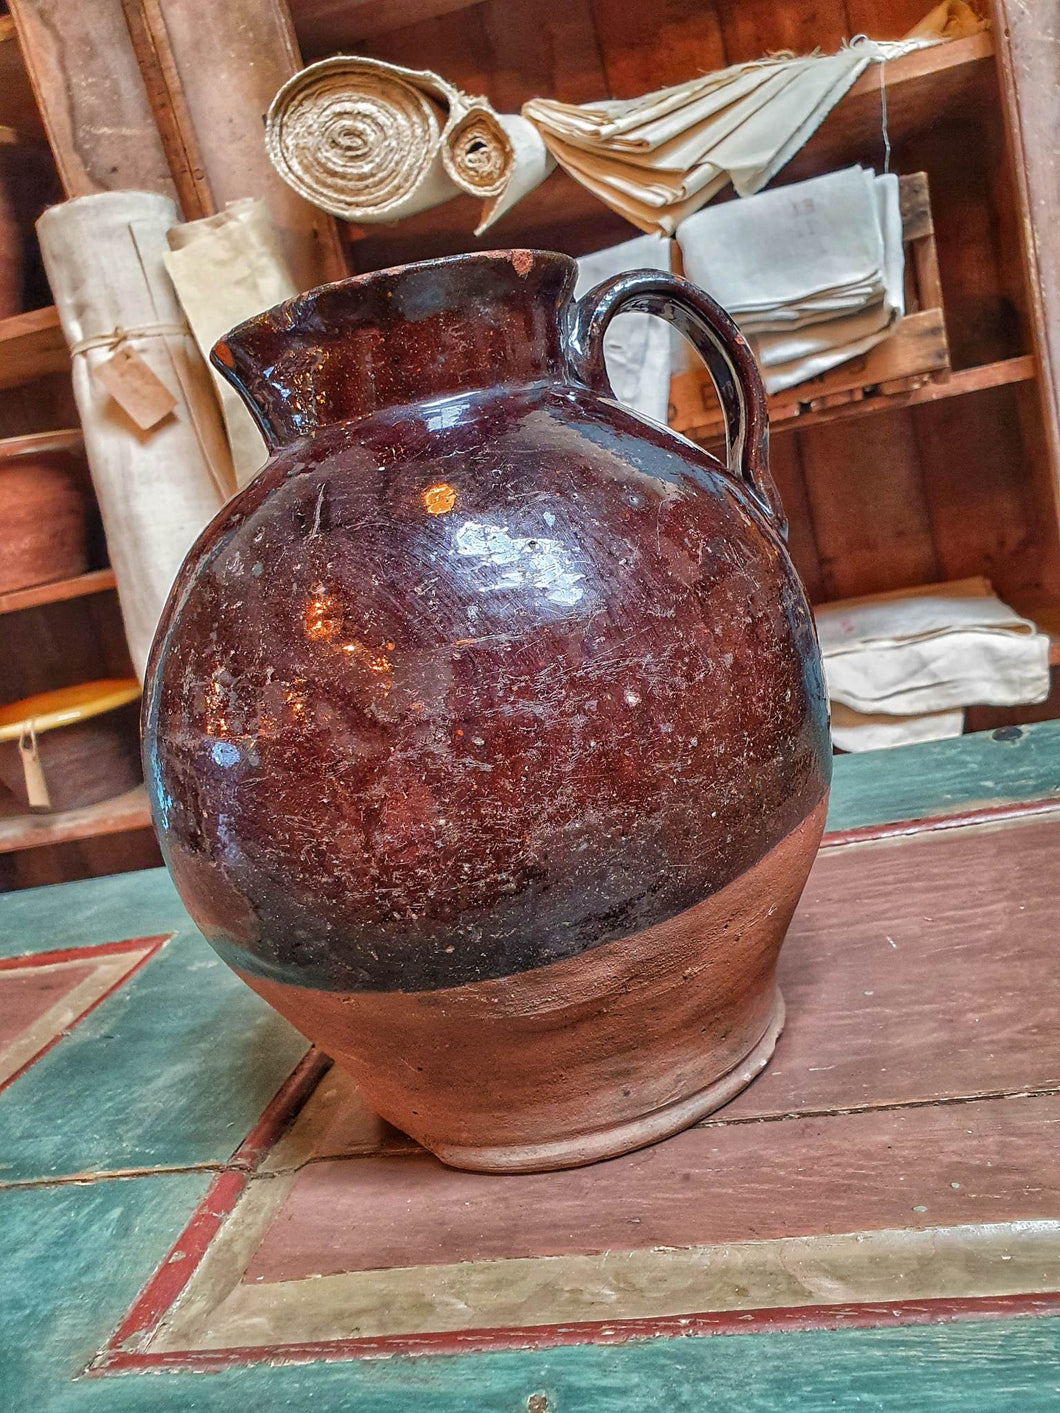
[
  {"x": 658, "y": 158},
  {"x": 931, "y": 649},
  {"x": 855, "y": 731},
  {"x": 636, "y": 346},
  {"x": 371, "y": 141},
  {"x": 813, "y": 272}
]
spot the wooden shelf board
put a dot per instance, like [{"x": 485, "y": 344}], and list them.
[
  {"x": 922, "y": 88},
  {"x": 786, "y": 417},
  {"x": 18, "y": 107},
  {"x": 33, "y": 443},
  {"x": 31, "y": 345},
  {"x": 97, "y": 581},
  {"x": 32, "y": 831}
]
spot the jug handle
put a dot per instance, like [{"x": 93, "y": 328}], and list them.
[{"x": 717, "y": 340}]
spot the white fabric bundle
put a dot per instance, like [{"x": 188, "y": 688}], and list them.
[
  {"x": 813, "y": 273},
  {"x": 227, "y": 268},
  {"x": 156, "y": 488},
  {"x": 658, "y": 158},
  {"x": 636, "y": 346},
  {"x": 370, "y": 141},
  {"x": 920, "y": 656}
]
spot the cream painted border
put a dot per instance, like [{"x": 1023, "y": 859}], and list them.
[
  {"x": 218, "y": 1311},
  {"x": 107, "y": 971}
]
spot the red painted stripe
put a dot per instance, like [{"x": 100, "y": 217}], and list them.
[
  {"x": 79, "y": 954},
  {"x": 179, "y": 1263},
  {"x": 178, "y": 1266},
  {"x": 279, "y": 1113},
  {"x": 608, "y": 1332},
  {"x": 987, "y": 814}
]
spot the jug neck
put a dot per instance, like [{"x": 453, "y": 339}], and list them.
[{"x": 346, "y": 350}]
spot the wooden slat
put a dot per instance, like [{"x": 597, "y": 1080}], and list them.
[
  {"x": 843, "y": 1173},
  {"x": 212, "y": 71},
  {"x": 91, "y": 96},
  {"x": 37, "y": 443},
  {"x": 919, "y": 970},
  {"x": 30, "y": 345},
  {"x": 645, "y": 47},
  {"x": 31, "y": 831},
  {"x": 96, "y": 582},
  {"x": 786, "y": 465},
  {"x": 1028, "y": 42},
  {"x": 18, "y": 109},
  {"x": 979, "y": 494},
  {"x": 750, "y": 28},
  {"x": 866, "y": 497},
  {"x": 922, "y": 89},
  {"x": 886, "y": 397},
  {"x": 324, "y": 26},
  {"x": 917, "y": 345}
]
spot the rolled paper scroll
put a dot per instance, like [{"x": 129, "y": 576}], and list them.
[
  {"x": 227, "y": 268},
  {"x": 158, "y": 487},
  {"x": 372, "y": 142}
]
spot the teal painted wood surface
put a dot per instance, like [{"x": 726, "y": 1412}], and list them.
[
  {"x": 74, "y": 1256},
  {"x": 89, "y": 912},
  {"x": 171, "y": 1070},
  {"x": 946, "y": 777}
]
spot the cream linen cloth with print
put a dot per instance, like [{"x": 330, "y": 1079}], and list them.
[{"x": 813, "y": 272}]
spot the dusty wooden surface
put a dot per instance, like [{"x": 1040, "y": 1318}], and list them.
[{"x": 91, "y": 95}]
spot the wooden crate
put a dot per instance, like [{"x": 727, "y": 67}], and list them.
[{"x": 914, "y": 354}]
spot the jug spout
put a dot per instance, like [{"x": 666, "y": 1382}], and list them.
[{"x": 346, "y": 350}]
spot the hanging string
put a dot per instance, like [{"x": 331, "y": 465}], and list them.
[{"x": 883, "y": 119}]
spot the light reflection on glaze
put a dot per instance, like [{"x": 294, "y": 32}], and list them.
[{"x": 526, "y": 562}]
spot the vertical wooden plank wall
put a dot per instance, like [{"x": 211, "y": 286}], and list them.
[{"x": 212, "y": 71}]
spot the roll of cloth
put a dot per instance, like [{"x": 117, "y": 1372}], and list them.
[
  {"x": 227, "y": 268},
  {"x": 374, "y": 142},
  {"x": 156, "y": 488}
]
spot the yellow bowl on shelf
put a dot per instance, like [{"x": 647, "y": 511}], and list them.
[{"x": 71, "y": 746}]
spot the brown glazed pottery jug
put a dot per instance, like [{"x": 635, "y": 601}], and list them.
[{"x": 485, "y": 730}]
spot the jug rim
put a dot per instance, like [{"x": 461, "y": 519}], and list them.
[{"x": 287, "y": 312}]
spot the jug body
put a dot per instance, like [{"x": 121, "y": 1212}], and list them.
[{"x": 485, "y": 731}]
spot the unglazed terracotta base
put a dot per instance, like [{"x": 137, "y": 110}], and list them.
[
  {"x": 610, "y": 1142},
  {"x": 585, "y": 1058}
]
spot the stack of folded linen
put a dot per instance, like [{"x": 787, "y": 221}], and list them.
[
  {"x": 902, "y": 666},
  {"x": 813, "y": 273},
  {"x": 636, "y": 346}
]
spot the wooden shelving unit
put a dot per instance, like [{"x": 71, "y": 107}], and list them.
[
  {"x": 31, "y": 345},
  {"x": 937, "y": 458},
  {"x": 97, "y": 581},
  {"x": 34, "y": 831}
]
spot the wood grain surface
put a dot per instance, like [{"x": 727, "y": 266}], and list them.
[{"x": 898, "y": 1169}]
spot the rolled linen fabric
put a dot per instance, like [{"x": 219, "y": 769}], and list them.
[
  {"x": 226, "y": 268},
  {"x": 157, "y": 488},
  {"x": 370, "y": 141},
  {"x": 498, "y": 156}
]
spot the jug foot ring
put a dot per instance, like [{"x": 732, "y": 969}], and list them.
[{"x": 591, "y": 1147}]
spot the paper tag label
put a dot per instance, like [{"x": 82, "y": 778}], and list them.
[
  {"x": 32, "y": 771},
  {"x": 134, "y": 387}
]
